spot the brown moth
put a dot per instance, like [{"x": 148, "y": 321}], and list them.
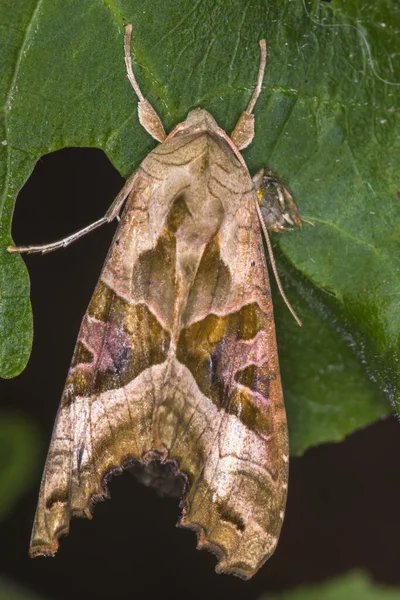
[{"x": 176, "y": 358}]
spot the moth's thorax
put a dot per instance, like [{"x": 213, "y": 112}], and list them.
[
  {"x": 199, "y": 156},
  {"x": 198, "y": 185},
  {"x": 199, "y": 120}
]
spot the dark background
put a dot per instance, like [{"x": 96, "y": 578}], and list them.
[{"x": 343, "y": 498}]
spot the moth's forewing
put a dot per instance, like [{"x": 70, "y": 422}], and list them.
[{"x": 177, "y": 358}]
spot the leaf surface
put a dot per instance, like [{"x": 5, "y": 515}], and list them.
[
  {"x": 20, "y": 448},
  {"x": 327, "y": 123}
]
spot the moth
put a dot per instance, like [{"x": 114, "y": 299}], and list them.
[{"x": 176, "y": 359}]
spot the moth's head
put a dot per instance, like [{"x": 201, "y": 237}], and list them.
[{"x": 199, "y": 120}]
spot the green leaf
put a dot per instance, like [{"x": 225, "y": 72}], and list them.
[
  {"x": 12, "y": 591},
  {"x": 327, "y": 393},
  {"x": 326, "y": 122},
  {"x": 20, "y": 447},
  {"x": 353, "y": 586}
]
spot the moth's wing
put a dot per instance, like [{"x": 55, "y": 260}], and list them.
[
  {"x": 102, "y": 423},
  {"x": 231, "y": 434},
  {"x": 176, "y": 358}
]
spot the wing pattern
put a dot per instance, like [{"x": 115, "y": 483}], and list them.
[{"x": 176, "y": 359}]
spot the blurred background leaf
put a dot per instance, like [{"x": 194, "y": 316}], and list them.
[
  {"x": 11, "y": 591},
  {"x": 353, "y": 586},
  {"x": 20, "y": 449}
]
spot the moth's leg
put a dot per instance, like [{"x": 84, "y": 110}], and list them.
[
  {"x": 110, "y": 215},
  {"x": 148, "y": 117},
  {"x": 271, "y": 211},
  {"x": 278, "y": 208},
  {"x": 243, "y": 133}
]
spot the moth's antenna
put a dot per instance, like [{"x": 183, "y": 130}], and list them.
[
  {"x": 260, "y": 77},
  {"x": 274, "y": 269},
  {"x": 148, "y": 117},
  {"x": 128, "y": 62},
  {"x": 243, "y": 133}
]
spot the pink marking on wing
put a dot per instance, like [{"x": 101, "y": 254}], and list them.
[
  {"x": 235, "y": 356},
  {"x": 105, "y": 341}
]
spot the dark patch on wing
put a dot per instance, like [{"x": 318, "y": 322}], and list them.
[
  {"x": 212, "y": 275},
  {"x": 101, "y": 301},
  {"x": 229, "y": 515},
  {"x": 58, "y": 496},
  {"x": 82, "y": 354},
  {"x": 137, "y": 342},
  {"x": 217, "y": 351},
  {"x": 130, "y": 341},
  {"x": 255, "y": 377},
  {"x": 154, "y": 276}
]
